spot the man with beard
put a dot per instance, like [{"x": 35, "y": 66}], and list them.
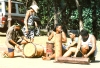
[
  {"x": 86, "y": 46},
  {"x": 14, "y": 37}
]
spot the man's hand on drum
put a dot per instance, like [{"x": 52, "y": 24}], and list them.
[
  {"x": 28, "y": 40},
  {"x": 18, "y": 46}
]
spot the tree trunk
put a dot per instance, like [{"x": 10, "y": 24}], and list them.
[
  {"x": 9, "y": 14},
  {"x": 55, "y": 12},
  {"x": 80, "y": 15},
  {"x": 80, "y": 25},
  {"x": 94, "y": 23},
  {"x": 64, "y": 19}
]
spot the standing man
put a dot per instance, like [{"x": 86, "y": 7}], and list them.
[
  {"x": 14, "y": 37},
  {"x": 72, "y": 44},
  {"x": 30, "y": 22},
  {"x": 86, "y": 45}
]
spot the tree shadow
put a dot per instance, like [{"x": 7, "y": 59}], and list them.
[
  {"x": 96, "y": 61},
  {"x": 19, "y": 56},
  {"x": 2, "y": 34}
]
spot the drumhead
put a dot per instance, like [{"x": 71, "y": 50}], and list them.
[{"x": 29, "y": 50}]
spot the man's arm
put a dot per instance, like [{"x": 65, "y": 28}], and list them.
[
  {"x": 12, "y": 42},
  {"x": 64, "y": 38},
  {"x": 78, "y": 46},
  {"x": 36, "y": 24},
  {"x": 51, "y": 36},
  {"x": 75, "y": 42},
  {"x": 93, "y": 40},
  {"x": 26, "y": 18},
  {"x": 27, "y": 40}
]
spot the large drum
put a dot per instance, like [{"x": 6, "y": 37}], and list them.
[
  {"x": 49, "y": 48},
  {"x": 33, "y": 50}
]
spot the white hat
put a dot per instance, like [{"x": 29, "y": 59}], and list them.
[{"x": 35, "y": 8}]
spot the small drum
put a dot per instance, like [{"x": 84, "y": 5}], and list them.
[
  {"x": 31, "y": 50},
  {"x": 49, "y": 48}
]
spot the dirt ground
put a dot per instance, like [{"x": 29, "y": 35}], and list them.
[{"x": 38, "y": 62}]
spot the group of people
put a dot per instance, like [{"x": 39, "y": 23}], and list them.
[
  {"x": 82, "y": 46},
  {"x": 20, "y": 35}
]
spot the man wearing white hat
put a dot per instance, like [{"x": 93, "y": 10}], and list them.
[
  {"x": 35, "y": 8},
  {"x": 30, "y": 22}
]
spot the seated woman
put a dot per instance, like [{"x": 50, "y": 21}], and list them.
[
  {"x": 57, "y": 30},
  {"x": 72, "y": 44}
]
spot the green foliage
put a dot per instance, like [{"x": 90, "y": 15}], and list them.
[
  {"x": 87, "y": 19},
  {"x": 74, "y": 15},
  {"x": 69, "y": 14},
  {"x": 98, "y": 20},
  {"x": 91, "y": 17},
  {"x": 73, "y": 21},
  {"x": 45, "y": 11}
]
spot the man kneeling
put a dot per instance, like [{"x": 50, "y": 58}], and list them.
[{"x": 14, "y": 37}]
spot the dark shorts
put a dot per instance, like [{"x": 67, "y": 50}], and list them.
[
  {"x": 18, "y": 42},
  {"x": 80, "y": 54},
  {"x": 10, "y": 50}
]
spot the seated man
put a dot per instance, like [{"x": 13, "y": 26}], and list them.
[
  {"x": 14, "y": 37},
  {"x": 72, "y": 44},
  {"x": 86, "y": 46},
  {"x": 57, "y": 30}
]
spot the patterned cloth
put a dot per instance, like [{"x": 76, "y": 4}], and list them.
[
  {"x": 31, "y": 26},
  {"x": 28, "y": 35}
]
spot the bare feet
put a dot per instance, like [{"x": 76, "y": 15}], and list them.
[
  {"x": 46, "y": 58},
  {"x": 5, "y": 55},
  {"x": 23, "y": 56}
]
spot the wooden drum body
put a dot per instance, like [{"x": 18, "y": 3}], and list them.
[
  {"x": 49, "y": 48},
  {"x": 31, "y": 50}
]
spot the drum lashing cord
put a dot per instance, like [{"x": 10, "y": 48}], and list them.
[{"x": 35, "y": 48}]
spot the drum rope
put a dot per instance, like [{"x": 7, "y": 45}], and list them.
[{"x": 35, "y": 49}]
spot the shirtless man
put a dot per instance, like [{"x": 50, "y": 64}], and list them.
[{"x": 57, "y": 30}]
